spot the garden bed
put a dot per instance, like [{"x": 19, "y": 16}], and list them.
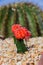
[{"x": 9, "y": 55}]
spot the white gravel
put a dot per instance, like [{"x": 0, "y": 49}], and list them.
[{"x": 9, "y": 55}]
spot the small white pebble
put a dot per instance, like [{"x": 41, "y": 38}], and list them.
[{"x": 19, "y": 63}]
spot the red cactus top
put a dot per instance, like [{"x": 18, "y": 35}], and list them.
[
  {"x": 20, "y": 32},
  {"x": 15, "y": 27}
]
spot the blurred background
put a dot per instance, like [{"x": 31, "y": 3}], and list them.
[
  {"x": 28, "y": 13},
  {"x": 37, "y": 2}
]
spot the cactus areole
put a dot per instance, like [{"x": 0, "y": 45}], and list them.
[{"x": 20, "y": 33}]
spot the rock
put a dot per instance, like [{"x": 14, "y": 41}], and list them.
[
  {"x": 41, "y": 60},
  {"x": 9, "y": 55}
]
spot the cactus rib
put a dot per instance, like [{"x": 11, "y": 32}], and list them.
[{"x": 31, "y": 21}]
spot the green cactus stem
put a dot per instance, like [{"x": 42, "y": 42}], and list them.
[{"x": 21, "y": 48}]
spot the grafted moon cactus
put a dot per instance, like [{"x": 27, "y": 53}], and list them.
[{"x": 26, "y": 14}]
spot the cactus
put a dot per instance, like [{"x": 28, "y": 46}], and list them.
[
  {"x": 9, "y": 22},
  {"x": 39, "y": 19},
  {"x": 27, "y": 15},
  {"x": 21, "y": 16},
  {"x": 32, "y": 23},
  {"x": 3, "y": 14}
]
